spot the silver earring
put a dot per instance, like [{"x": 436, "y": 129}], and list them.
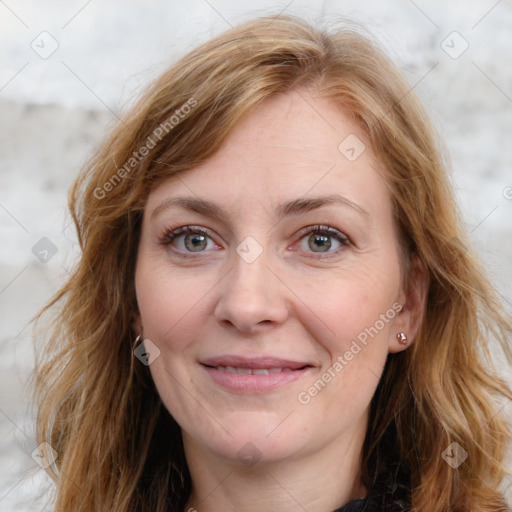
[{"x": 402, "y": 338}]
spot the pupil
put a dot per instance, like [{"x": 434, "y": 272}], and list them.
[{"x": 320, "y": 242}]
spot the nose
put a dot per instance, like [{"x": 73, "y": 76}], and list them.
[{"x": 252, "y": 297}]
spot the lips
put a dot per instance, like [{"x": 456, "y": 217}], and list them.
[
  {"x": 253, "y": 375},
  {"x": 254, "y": 363},
  {"x": 251, "y": 371}
]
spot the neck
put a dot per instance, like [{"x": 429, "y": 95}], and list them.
[{"x": 322, "y": 481}]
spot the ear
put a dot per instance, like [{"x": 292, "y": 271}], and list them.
[
  {"x": 137, "y": 324},
  {"x": 413, "y": 299}
]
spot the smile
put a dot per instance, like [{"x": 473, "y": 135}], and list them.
[
  {"x": 254, "y": 376},
  {"x": 252, "y": 371}
]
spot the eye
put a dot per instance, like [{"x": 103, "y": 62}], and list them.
[
  {"x": 195, "y": 239},
  {"x": 323, "y": 240},
  {"x": 188, "y": 239}
]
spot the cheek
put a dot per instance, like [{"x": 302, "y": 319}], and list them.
[
  {"x": 358, "y": 308},
  {"x": 167, "y": 300},
  {"x": 170, "y": 307},
  {"x": 355, "y": 302}
]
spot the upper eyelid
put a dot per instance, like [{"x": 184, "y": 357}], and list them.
[
  {"x": 184, "y": 230},
  {"x": 322, "y": 228}
]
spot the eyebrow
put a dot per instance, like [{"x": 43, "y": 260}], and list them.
[{"x": 294, "y": 207}]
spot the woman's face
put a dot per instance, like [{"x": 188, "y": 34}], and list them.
[{"x": 269, "y": 279}]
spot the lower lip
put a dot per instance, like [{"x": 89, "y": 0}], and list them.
[{"x": 254, "y": 383}]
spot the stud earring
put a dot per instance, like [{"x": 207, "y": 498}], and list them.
[{"x": 402, "y": 338}]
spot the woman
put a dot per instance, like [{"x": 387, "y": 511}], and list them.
[{"x": 275, "y": 307}]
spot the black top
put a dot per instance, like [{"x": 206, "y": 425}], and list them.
[{"x": 390, "y": 493}]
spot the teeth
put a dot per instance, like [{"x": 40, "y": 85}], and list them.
[
  {"x": 260, "y": 371},
  {"x": 251, "y": 371}
]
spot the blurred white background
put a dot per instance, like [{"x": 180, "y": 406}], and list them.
[{"x": 68, "y": 68}]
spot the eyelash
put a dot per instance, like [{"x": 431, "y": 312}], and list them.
[{"x": 169, "y": 235}]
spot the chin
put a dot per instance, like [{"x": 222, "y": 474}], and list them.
[{"x": 254, "y": 440}]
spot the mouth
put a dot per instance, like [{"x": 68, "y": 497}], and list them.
[
  {"x": 255, "y": 371},
  {"x": 259, "y": 375}
]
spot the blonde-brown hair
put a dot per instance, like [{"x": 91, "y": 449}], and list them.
[{"x": 118, "y": 447}]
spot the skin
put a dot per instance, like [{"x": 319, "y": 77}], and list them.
[{"x": 291, "y": 302}]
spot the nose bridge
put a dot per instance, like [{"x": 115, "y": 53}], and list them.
[
  {"x": 251, "y": 267},
  {"x": 251, "y": 294}
]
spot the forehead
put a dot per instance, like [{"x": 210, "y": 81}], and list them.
[{"x": 293, "y": 145}]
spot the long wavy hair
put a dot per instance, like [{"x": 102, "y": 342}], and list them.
[{"x": 118, "y": 447}]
